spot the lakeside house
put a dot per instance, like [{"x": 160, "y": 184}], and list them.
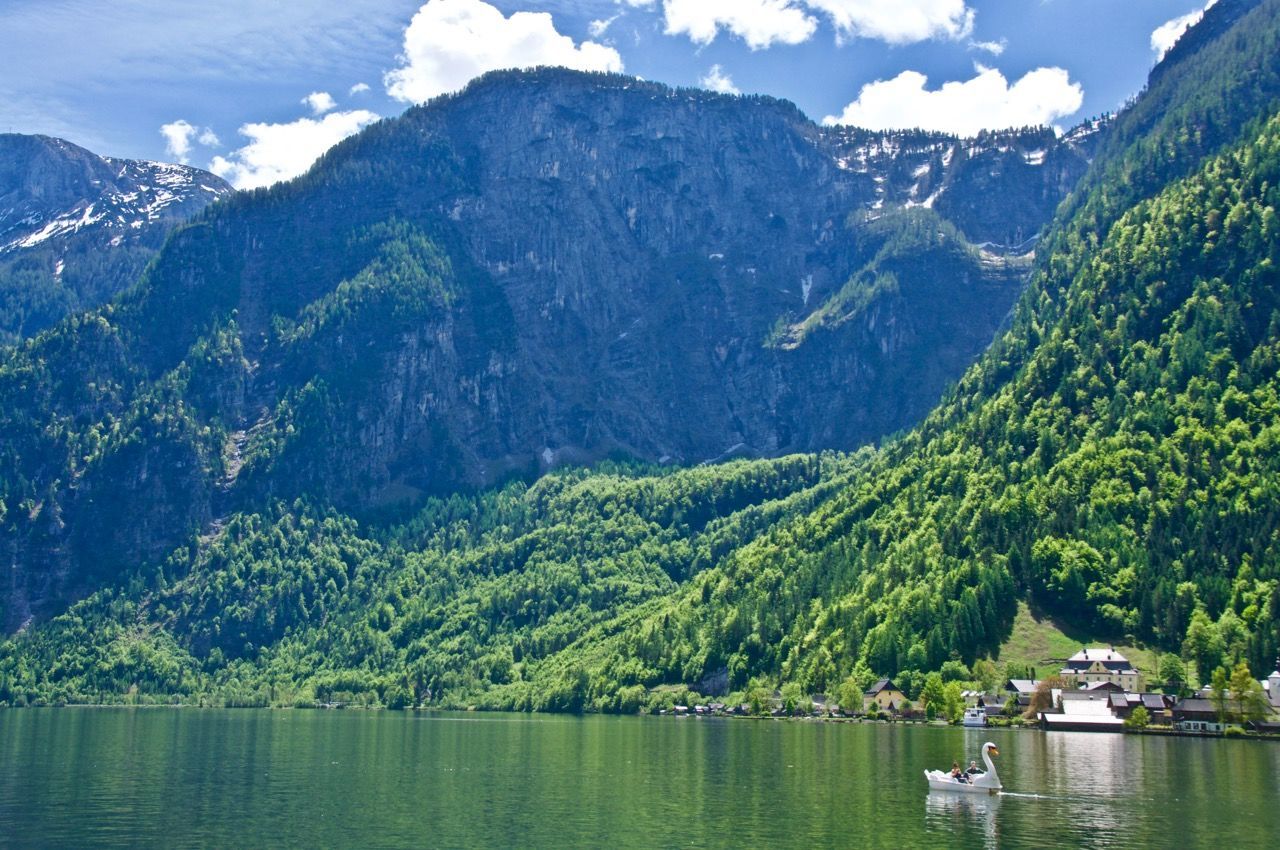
[
  {"x": 1082, "y": 711},
  {"x": 1158, "y": 706},
  {"x": 1104, "y": 707},
  {"x": 1196, "y": 714},
  {"x": 1093, "y": 665},
  {"x": 1022, "y": 690},
  {"x": 885, "y": 696}
]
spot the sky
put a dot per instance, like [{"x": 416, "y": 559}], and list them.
[{"x": 255, "y": 90}]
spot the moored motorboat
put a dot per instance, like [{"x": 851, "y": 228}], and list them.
[
  {"x": 974, "y": 717},
  {"x": 980, "y": 783}
]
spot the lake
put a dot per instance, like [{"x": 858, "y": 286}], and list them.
[{"x": 96, "y": 777}]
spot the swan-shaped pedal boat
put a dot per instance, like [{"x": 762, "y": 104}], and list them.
[{"x": 981, "y": 783}]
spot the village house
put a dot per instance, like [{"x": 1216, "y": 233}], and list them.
[
  {"x": 1196, "y": 714},
  {"x": 1022, "y": 690},
  {"x": 1082, "y": 711},
  {"x": 1157, "y": 706},
  {"x": 885, "y": 696},
  {"x": 1093, "y": 665}
]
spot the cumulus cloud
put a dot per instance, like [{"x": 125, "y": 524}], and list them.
[
  {"x": 178, "y": 137},
  {"x": 1167, "y": 34},
  {"x": 359, "y": 88},
  {"x": 760, "y": 23},
  {"x": 450, "y": 42},
  {"x": 282, "y": 151},
  {"x": 320, "y": 102},
  {"x": 899, "y": 22},
  {"x": 986, "y": 102},
  {"x": 717, "y": 80}
]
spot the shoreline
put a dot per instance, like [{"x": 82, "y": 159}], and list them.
[{"x": 1157, "y": 731}]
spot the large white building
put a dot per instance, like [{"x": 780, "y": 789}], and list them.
[{"x": 1102, "y": 664}]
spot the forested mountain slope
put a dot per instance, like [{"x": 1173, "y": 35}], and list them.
[
  {"x": 76, "y": 229},
  {"x": 549, "y": 268},
  {"x": 1112, "y": 458}
]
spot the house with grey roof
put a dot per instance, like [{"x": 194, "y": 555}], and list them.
[
  {"x": 1101, "y": 664},
  {"x": 1196, "y": 714}
]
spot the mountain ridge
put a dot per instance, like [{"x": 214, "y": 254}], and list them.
[
  {"x": 76, "y": 229},
  {"x": 446, "y": 301}
]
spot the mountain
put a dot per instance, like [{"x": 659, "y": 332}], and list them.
[
  {"x": 1110, "y": 458},
  {"x": 548, "y": 268},
  {"x": 77, "y": 228}
]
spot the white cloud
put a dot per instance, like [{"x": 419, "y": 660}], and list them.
[
  {"x": 900, "y": 21},
  {"x": 760, "y": 23},
  {"x": 717, "y": 80},
  {"x": 281, "y": 151},
  {"x": 450, "y": 42},
  {"x": 995, "y": 48},
  {"x": 177, "y": 139},
  {"x": 600, "y": 26},
  {"x": 178, "y": 136},
  {"x": 320, "y": 102},
  {"x": 1167, "y": 34},
  {"x": 986, "y": 102},
  {"x": 359, "y": 88}
]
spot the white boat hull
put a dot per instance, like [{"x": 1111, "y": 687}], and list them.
[{"x": 942, "y": 781}]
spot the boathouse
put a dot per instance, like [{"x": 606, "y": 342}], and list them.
[{"x": 1196, "y": 714}]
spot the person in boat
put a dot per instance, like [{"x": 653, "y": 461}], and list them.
[
  {"x": 974, "y": 770},
  {"x": 957, "y": 774}
]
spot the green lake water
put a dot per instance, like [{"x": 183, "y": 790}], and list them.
[{"x": 81, "y": 777}]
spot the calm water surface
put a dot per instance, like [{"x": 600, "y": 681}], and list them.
[{"x": 226, "y": 778}]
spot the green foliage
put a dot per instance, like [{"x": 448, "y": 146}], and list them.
[
  {"x": 1139, "y": 719},
  {"x": 953, "y": 702},
  {"x": 1250, "y": 701},
  {"x": 1220, "y": 684},
  {"x": 933, "y": 694},
  {"x": 1173, "y": 674},
  {"x": 849, "y": 694}
]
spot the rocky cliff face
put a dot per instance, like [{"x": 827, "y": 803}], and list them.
[
  {"x": 77, "y": 228},
  {"x": 643, "y": 249},
  {"x": 548, "y": 268}
]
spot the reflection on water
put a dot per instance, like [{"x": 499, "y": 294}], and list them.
[
  {"x": 123, "y": 778},
  {"x": 954, "y": 811}
]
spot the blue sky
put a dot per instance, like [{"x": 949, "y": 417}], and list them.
[{"x": 256, "y": 90}]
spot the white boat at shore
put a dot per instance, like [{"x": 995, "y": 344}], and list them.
[
  {"x": 974, "y": 717},
  {"x": 980, "y": 783}
]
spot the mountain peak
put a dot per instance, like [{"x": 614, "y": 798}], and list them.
[{"x": 77, "y": 228}]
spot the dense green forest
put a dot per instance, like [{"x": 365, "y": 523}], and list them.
[{"x": 1112, "y": 459}]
